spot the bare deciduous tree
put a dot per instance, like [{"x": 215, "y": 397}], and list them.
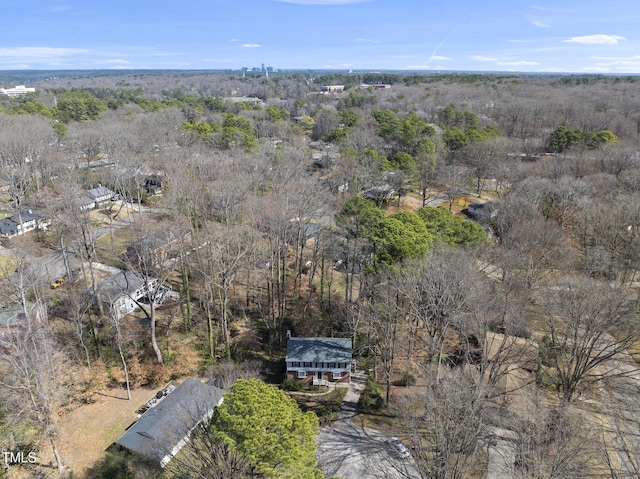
[
  {"x": 33, "y": 380},
  {"x": 588, "y": 324}
]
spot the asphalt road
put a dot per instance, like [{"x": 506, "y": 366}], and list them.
[{"x": 350, "y": 451}]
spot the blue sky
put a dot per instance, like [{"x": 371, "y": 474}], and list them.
[{"x": 472, "y": 35}]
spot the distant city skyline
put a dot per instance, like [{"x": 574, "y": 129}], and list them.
[{"x": 567, "y": 36}]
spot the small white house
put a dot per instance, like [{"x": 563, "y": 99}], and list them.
[
  {"x": 122, "y": 292},
  {"x": 23, "y": 222},
  {"x": 101, "y": 195}
]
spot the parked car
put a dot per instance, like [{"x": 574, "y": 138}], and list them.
[
  {"x": 58, "y": 282},
  {"x": 397, "y": 447}
]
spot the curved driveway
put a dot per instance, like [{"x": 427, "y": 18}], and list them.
[{"x": 349, "y": 451}]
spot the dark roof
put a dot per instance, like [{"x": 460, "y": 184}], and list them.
[
  {"x": 25, "y": 216},
  {"x": 161, "y": 428},
  {"x": 100, "y": 191},
  {"x": 13, "y": 315},
  {"x": 319, "y": 350},
  {"x": 379, "y": 192},
  {"x": 124, "y": 282}
]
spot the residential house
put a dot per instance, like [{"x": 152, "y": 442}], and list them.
[
  {"x": 332, "y": 88},
  {"x": 122, "y": 292},
  {"x": 13, "y": 317},
  {"x": 156, "y": 249},
  {"x": 380, "y": 194},
  {"x": 23, "y": 222},
  {"x": 246, "y": 99},
  {"x": 86, "y": 203},
  {"x": 101, "y": 195},
  {"x": 375, "y": 86},
  {"x": 319, "y": 360},
  {"x": 166, "y": 427},
  {"x": 153, "y": 185},
  {"x": 482, "y": 210}
]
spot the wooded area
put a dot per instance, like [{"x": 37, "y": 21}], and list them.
[{"x": 476, "y": 236}]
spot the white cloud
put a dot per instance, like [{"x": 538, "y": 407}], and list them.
[
  {"x": 516, "y": 64},
  {"x": 251, "y": 45},
  {"x": 634, "y": 58},
  {"x": 322, "y": 2},
  {"x": 618, "y": 64},
  {"x": 439, "y": 57},
  {"x": 540, "y": 24},
  {"x": 599, "y": 39},
  {"x": 218, "y": 60},
  {"x": 118, "y": 61},
  {"x": 21, "y": 66},
  {"x": 405, "y": 57},
  {"x": 39, "y": 52},
  {"x": 366, "y": 40},
  {"x": 482, "y": 58},
  {"x": 419, "y": 67}
]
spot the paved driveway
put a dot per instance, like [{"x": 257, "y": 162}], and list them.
[{"x": 349, "y": 451}]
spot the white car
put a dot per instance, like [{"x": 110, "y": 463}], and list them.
[{"x": 397, "y": 447}]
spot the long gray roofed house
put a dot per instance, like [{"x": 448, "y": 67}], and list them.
[
  {"x": 121, "y": 291},
  {"x": 101, "y": 195},
  {"x": 319, "y": 360},
  {"x": 23, "y": 222},
  {"x": 165, "y": 428}
]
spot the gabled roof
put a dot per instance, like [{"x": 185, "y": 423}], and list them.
[
  {"x": 25, "y": 216},
  {"x": 100, "y": 192},
  {"x": 319, "y": 350},
  {"x": 162, "y": 428},
  {"x": 122, "y": 283}
]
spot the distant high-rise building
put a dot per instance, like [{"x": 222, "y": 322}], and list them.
[{"x": 263, "y": 68}]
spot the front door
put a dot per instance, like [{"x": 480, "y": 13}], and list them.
[{"x": 319, "y": 374}]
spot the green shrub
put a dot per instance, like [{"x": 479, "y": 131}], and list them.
[
  {"x": 293, "y": 385},
  {"x": 407, "y": 379},
  {"x": 371, "y": 397}
]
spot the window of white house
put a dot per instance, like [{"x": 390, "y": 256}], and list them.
[
  {"x": 331, "y": 365},
  {"x": 336, "y": 375},
  {"x": 295, "y": 364},
  {"x": 307, "y": 365},
  {"x": 302, "y": 374}
]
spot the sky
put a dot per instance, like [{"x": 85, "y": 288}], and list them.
[{"x": 567, "y": 36}]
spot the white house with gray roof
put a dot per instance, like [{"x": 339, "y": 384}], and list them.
[
  {"x": 319, "y": 360},
  {"x": 23, "y": 222},
  {"x": 166, "y": 427},
  {"x": 121, "y": 292},
  {"x": 101, "y": 195}
]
